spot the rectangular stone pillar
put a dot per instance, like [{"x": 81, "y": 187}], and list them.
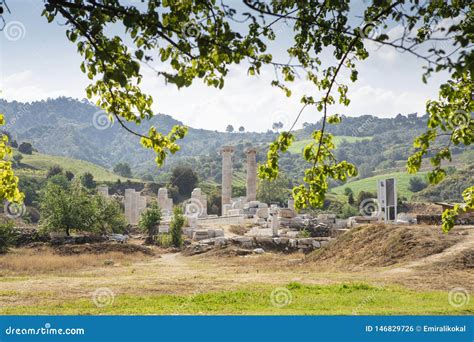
[
  {"x": 103, "y": 190},
  {"x": 251, "y": 175}
]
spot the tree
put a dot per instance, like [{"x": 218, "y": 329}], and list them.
[
  {"x": 277, "y": 126},
  {"x": 241, "y": 129},
  {"x": 416, "y": 184},
  {"x": 25, "y": 148},
  {"x": 184, "y": 178},
  {"x": 229, "y": 129},
  {"x": 176, "y": 227},
  {"x": 195, "y": 39},
  {"x": 87, "y": 180},
  {"x": 54, "y": 170},
  {"x": 74, "y": 209},
  {"x": 277, "y": 191},
  {"x": 8, "y": 181},
  {"x": 108, "y": 216},
  {"x": 123, "y": 169},
  {"x": 66, "y": 209},
  {"x": 150, "y": 221}
]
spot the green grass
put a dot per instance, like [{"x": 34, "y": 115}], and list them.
[
  {"x": 370, "y": 183},
  {"x": 341, "y": 299},
  {"x": 42, "y": 162},
  {"x": 297, "y": 146}
]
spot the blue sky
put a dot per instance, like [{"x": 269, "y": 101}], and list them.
[{"x": 37, "y": 62}]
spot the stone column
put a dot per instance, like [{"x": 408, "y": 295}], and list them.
[
  {"x": 226, "y": 175},
  {"x": 251, "y": 174}
]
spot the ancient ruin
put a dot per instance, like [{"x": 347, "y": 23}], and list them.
[
  {"x": 251, "y": 194},
  {"x": 134, "y": 205},
  {"x": 227, "y": 152},
  {"x": 165, "y": 202}
]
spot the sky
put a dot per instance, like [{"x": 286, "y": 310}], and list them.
[{"x": 38, "y": 62}]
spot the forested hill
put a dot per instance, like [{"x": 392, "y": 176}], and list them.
[{"x": 77, "y": 129}]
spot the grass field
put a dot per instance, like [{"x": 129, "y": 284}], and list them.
[
  {"x": 370, "y": 183},
  {"x": 293, "y": 299},
  {"x": 298, "y": 146},
  {"x": 43, "y": 161}
]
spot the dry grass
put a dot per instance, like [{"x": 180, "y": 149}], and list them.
[
  {"x": 44, "y": 260},
  {"x": 384, "y": 245}
]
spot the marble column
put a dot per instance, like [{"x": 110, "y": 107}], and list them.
[
  {"x": 226, "y": 174},
  {"x": 251, "y": 174}
]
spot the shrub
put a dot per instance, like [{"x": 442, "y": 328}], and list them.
[
  {"x": 150, "y": 221},
  {"x": 7, "y": 236},
  {"x": 176, "y": 227},
  {"x": 54, "y": 170}
]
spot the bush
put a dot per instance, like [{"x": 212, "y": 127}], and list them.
[
  {"x": 176, "y": 227},
  {"x": 150, "y": 221},
  {"x": 164, "y": 240},
  {"x": 7, "y": 236}
]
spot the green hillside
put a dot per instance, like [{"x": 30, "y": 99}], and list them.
[
  {"x": 370, "y": 183},
  {"x": 298, "y": 146},
  {"x": 37, "y": 164}
]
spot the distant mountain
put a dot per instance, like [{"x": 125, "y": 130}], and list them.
[{"x": 77, "y": 129}]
